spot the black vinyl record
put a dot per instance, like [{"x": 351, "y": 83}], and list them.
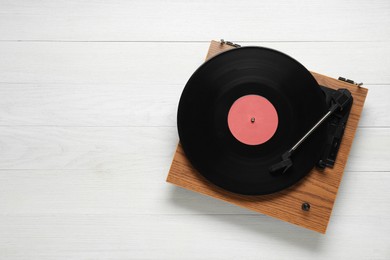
[{"x": 207, "y": 138}]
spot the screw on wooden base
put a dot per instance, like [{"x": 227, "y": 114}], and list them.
[{"x": 305, "y": 206}]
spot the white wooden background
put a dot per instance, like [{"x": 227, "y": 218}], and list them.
[{"x": 88, "y": 99}]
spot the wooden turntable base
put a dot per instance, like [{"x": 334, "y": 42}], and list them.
[{"x": 319, "y": 188}]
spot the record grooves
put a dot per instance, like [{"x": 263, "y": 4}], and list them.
[{"x": 206, "y": 135}]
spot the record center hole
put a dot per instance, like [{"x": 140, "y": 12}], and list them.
[{"x": 252, "y": 120}]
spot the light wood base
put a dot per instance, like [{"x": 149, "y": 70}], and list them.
[{"x": 319, "y": 188}]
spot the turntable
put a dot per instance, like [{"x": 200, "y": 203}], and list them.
[{"x": 260, "y": 131}]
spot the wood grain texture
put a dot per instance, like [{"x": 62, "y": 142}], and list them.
[
  {"x": 144, "y": 104},
  {"x": 319, "y": 188},
  {"x": 116, "y": 236},
  {"x": 112, "y": 63},
  {"x": 116, "y": 148},
  {"x": 137, "y": 20},
  {"x": 88, "y": 102}
]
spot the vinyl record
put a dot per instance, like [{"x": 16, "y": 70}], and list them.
[{"x": 241, "y": 110}]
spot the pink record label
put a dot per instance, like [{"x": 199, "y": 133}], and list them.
[{"x": 252, "y": 119}]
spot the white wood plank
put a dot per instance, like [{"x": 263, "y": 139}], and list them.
[
  {"x": 98, "y": 148},
  {"x": 124, "y": 105},
  {"x": 109, "y": 236},
  {"x": 89, "y": 105},
  {"x": 138, "y": 148},
  {"x": 172, "y": 63},
  {"x": 271, "y": 20},
  {"x": 144, "y": 192}
]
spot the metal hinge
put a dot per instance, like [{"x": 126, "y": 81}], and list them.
[
  {"x": 230, "y": 43},
  {"x": 351, "y": 81}
]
